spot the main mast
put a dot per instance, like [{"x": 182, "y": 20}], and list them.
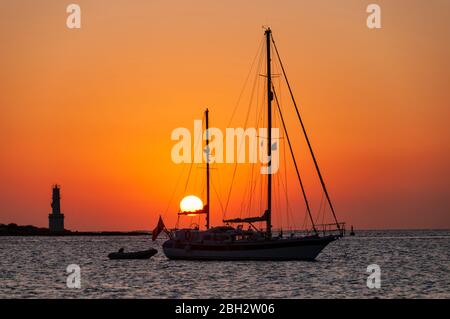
[
  {"x": 206, "y": 207},
  {"x": 269, "y": 138}
]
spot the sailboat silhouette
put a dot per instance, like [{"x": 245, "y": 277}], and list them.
[{"x": 230, "y": 243}]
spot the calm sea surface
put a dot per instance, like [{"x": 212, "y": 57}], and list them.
[{"x": 414, "y": 264}]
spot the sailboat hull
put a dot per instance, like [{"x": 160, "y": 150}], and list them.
[{"x": 275, "y": 249}]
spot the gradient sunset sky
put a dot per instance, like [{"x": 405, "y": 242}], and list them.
[{"x": 93, "y": 109}]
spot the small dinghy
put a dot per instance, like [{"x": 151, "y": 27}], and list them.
[{"x": 121, "y": 254}]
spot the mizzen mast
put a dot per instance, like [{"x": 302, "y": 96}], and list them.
[{"x": 205, "y": 209}]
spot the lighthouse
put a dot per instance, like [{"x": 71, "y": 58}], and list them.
[{"x": 56, "y": 219}]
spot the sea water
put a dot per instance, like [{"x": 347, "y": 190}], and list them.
[{"x": 412, "y": 264}]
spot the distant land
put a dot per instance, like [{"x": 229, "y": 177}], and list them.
[{"x": 29, "y": 230}]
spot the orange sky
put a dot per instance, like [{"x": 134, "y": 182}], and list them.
[{"x": 93, "y": 109}]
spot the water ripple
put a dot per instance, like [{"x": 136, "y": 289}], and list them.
[{"x": 414, "y": 264}]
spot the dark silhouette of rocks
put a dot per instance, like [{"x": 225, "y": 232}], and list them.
[{"x": 29, "y": 230}]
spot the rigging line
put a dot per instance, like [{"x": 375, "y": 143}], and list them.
[
  {"x": 295, "y": 162},
  {"x": 258, "y": 112},
  {"x": 178, "y": 181},
  {"x": 174, "y": 191},
  {"x": 291, "y": 220},
  {"x": 178, "y": 222},
  {"x": 306, "y": 136},
  {"x": 261, "y": 124},
  {"x": 253, "y": 182},
  {"x": 278, "y": 199},
  {"x": 243, "y": 207},
  {"x": 217, "y": 195},
  {"x": 245, "y": 82},
  {"x": 320, "y": 209},
  {"x": 251, "y": 187},
  {"x": 285, "y": 188},
  {"x": 192, "y": 161},
  {"x": 248, "y": 189},
  {"x": 284, "y": 184},
  {"x": 219, "y": 191},
  {"x": 240, "y": 146},
  {"x": 323, "y": 215},
  {"x": 277, "y": 177},
  {"x": 254, "y": 187},
  {"x": 305, "y": 220}
]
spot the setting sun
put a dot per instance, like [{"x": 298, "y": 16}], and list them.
[{"x": 191, "y": 203}]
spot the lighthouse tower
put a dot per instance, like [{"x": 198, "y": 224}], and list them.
[{"x": 56, "y": 219}]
